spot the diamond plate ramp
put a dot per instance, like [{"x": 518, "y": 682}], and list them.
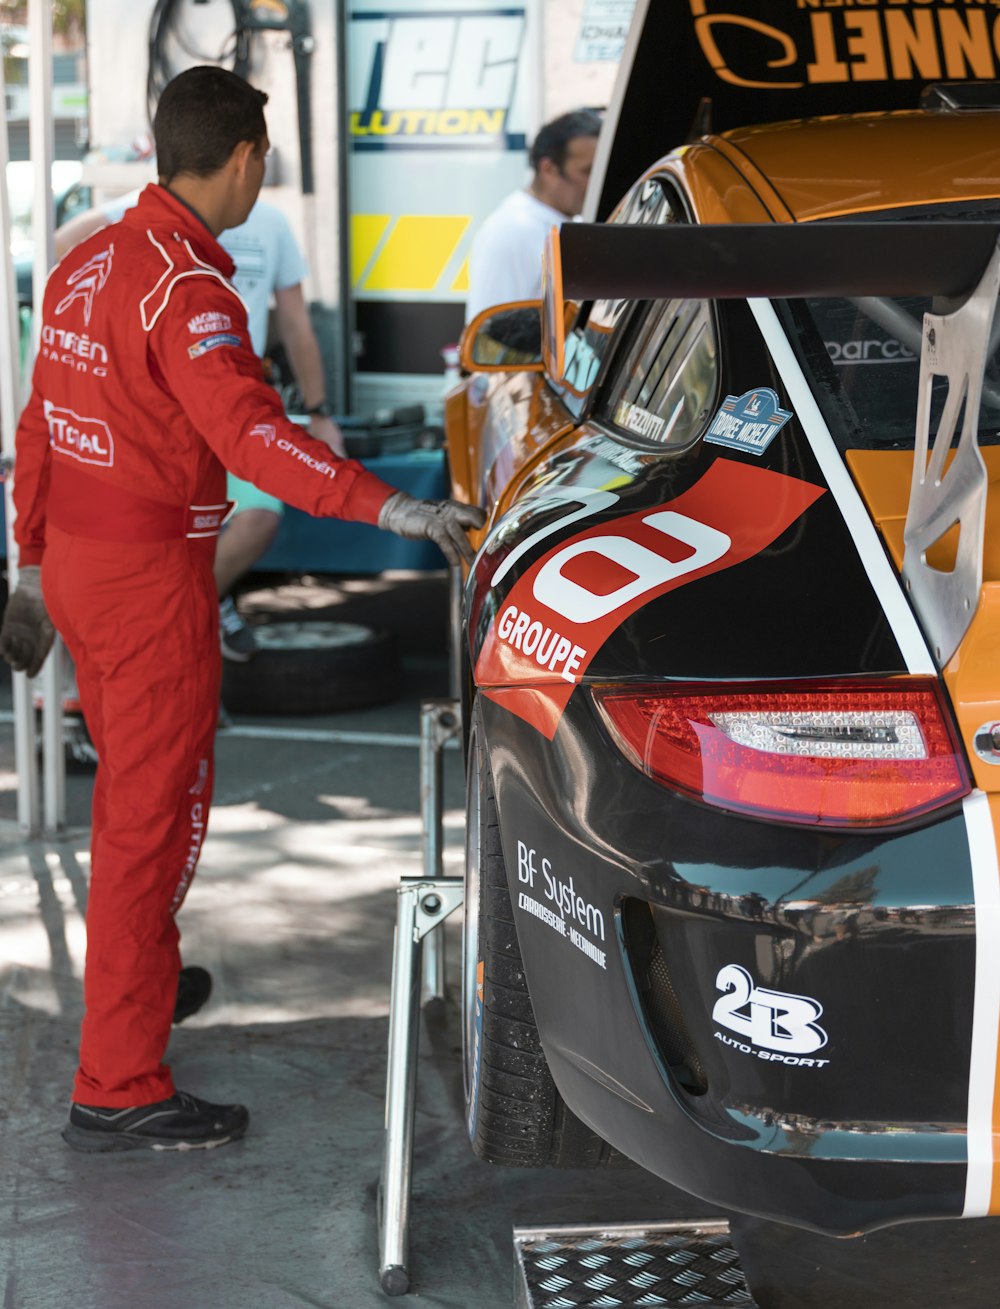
[{"x": 688, "y": 1262}]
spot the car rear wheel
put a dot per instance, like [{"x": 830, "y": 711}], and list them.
[{"x": 514, "y": 1113}]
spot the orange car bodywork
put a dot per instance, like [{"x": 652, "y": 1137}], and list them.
[
  {"x": 786, "y": 172},
  {"x": 802, "y": 171}
]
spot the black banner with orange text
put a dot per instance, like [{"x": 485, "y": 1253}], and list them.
[{"x": 770, "y": 60}]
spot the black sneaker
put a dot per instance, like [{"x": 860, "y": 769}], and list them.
[
  {"x": 236, "y": 638},
  {"x": 194, "y": 986},
  {"x": 180, "y": 1123}
]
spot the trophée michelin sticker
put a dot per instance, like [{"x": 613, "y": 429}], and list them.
[{"x": 748, "y": 422}]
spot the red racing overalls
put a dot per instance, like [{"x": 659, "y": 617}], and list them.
[{"x": 145, "y": 385}]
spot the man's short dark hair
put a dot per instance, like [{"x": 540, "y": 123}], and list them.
[
  {"x": 552, "y": 141},
  {"x": 203, "y": 115}
]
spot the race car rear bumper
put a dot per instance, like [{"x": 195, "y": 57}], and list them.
[{"x": 775, "y": 1019}]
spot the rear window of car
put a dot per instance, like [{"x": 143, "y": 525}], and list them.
[
  {"x": 862, "y": 356},
  {"x": 662, "y": 392},
  {"x": 590, "y": 341}
]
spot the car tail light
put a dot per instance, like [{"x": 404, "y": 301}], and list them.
[{"x": 842, "y": 754}]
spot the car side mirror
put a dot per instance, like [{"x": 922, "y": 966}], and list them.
[{"x": 504, "y": 339}]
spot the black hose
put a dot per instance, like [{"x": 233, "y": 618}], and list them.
[{"x": 164, "y": 24}]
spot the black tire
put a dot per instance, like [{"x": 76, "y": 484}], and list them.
[
  {"x": 514, "y": 1114},
  {"x": 313, "y": 667}
]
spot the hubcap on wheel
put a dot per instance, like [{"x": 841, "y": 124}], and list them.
[{"x": 310, "y": 636}]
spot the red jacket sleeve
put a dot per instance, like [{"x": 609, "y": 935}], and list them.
[
  {"x": 31, "y": 479},
  {"x": 218, "y": 381}
]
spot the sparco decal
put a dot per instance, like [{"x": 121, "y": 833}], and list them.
[
  {"x": 565, "y": 606},
  {"x": 87, "y": 440},
  {"x": 774, "y": 1025}
]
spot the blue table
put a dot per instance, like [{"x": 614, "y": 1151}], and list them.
[{"x": 326, "y": 545}]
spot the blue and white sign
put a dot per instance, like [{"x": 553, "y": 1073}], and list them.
[{"x": 748, "y": 422}]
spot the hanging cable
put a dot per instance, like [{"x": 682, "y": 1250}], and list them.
[
  {"x": 166, "y": 28},
  {"x": 249, "y": 18}
]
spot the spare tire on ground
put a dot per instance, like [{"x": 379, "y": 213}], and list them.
[{"x": 313, "y": 667}]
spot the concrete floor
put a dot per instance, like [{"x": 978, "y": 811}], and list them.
[{"x": 293, "y": 911}]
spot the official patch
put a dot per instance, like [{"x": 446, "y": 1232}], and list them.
[
  {"x": 209, "y": 322},
  {"x": 748, "y": 422},
  {"x": 212, "y": 343}
]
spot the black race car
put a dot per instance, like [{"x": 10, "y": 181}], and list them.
[{"x": 732, "y": 646}]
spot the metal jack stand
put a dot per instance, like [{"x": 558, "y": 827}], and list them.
[{"x": 417, "y": 954}]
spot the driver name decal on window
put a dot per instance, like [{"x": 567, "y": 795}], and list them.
[
  {"x": 640, "y": 421},
  {"x": 748, "y": 422},
  {"x": 563, "y": 608}
]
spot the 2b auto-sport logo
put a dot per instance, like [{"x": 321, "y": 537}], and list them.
[
  {"x": 775, "y": 1025},
  {"x": 565, "y": 606}
]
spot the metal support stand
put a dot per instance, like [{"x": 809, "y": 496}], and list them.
[
  {"x": 440, "y": 723},
  {"x": 417, "y": 967},
  {"x": 423, "y": 906}
]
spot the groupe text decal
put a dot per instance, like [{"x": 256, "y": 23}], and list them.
[
  {"x": 434, "y": 79},
  {"x": 774, "y": 1025},
  {"x": 564, "y": 607}
]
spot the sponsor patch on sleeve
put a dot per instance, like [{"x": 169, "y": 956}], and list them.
[
  {"x": 748, "y": 422},
  {"x": 212, "y": 343},
  {"x": 209, "y": 322}
]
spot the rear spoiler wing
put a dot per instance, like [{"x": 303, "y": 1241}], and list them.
[
  {"x": 738, "y": 261},
  {"x": 956, "y": 261}
]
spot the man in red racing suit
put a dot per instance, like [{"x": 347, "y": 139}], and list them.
[{"x": 145, "y": 389}]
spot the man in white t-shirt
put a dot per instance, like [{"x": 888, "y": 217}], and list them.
[
  {"x": 506, "y": 259},
  {"x": 268, "y": 263}
]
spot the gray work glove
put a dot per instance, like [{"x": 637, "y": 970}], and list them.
[
  {"x": 445, "y": 522},
  {"x": 27, "y": 633}
]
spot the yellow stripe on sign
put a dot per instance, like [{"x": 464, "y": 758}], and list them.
[
  {"x": 366, "y": 232},
  {"x": 416, "y": 252},
  {"x": 461, "y": 282}
]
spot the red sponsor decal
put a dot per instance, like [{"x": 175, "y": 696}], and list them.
[{"x": 566, "y": 605}]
